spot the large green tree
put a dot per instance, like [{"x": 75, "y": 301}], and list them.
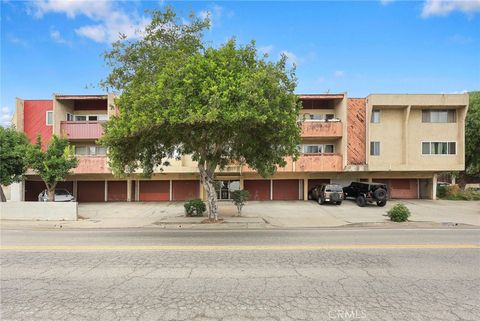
[
  {"x": 220, "y": 105},
  {"x": 13, "y": 165},
  {"x": 53, "y": 164},
  {"x": 472, "y": 135}
]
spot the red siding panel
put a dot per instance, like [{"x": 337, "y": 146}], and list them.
[
  {"x": 82, "y": 129},
  {"x": 117, "y": 191},
  {"x": 154, "y": 191},
  {"x": 91, "y": 191},
  {"x": 259, "y": 189},
  {"x": 285, "y": 189},
  {"x": 35, "y": 115},
  {"x": 356, "y": 122},
  {"x": 184, "y": 190}
]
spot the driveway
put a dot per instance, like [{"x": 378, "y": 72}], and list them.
[{"x": 310, "y": 214}]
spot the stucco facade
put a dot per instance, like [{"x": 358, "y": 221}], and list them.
[{"x": 337, "y": 133}]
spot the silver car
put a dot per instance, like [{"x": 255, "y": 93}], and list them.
[{"x": 61, "y": 195}]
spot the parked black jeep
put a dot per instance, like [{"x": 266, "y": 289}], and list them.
[{"x": 364, "y": 192}]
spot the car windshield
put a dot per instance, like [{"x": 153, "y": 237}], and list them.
[{"x": 333, "y": 188}]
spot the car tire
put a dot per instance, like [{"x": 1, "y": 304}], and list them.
[
  {"x": 310, "y": 197},
  {"x": 361, "y": 201},
  {"x": 339, "y": 203},
  {"x": 321, "y": 201},
  {"x": 382, "y": 203},
  {"x": 380, "y": 194}
]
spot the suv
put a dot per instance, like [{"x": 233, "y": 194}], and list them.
[
  {"x": 364, "y": 192},
  {"x": 61, "y": 195},
  {"x": 327, "y": 193}
]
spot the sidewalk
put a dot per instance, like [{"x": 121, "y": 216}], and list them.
[{"x": 262, "y": 215}]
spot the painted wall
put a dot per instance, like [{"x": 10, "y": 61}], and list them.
[
  {"x": 35, "y": 120},
  {"x": 48, "y": 211}
]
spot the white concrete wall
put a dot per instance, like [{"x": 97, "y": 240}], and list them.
[{"x": 46, "y": 211}]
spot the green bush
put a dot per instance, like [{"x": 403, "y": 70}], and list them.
[
  {"x": 195, "y": 207},
  {"x": 239, "y": 198},
  {"x": 454, "y": 193},
  {"x": 399, "y": 213},
  {"x": 441, "y": 191}
]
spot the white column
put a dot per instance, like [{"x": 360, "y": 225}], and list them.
[
  {"x": 17, "y": 191},
  {"x": 434, "y": 187},
  {"x": 171, "y": 191},
  {"x": 271, "y": 189},
  {"x": 106, "y": 191},
  {"x": 129, "y": 190}
]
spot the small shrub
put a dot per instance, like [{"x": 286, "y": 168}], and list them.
[
  {"x": 452, "y": 190},
  {"x": 441, "y": 191},
  {"x": 399, "y": 213},
  {"x": 195, "y": 207},
  {"x": 239, "y": 198}
]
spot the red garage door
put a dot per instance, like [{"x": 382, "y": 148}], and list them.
[
  {"x": 32, "y": 189},
  {"x": 259, "y": 189},
  {"x": 285, "y": 189},
  {"x": 314, "y": 182},
  {"x": 403, "y": 188},
  {"x": 117, "y": 191},
  {"x": 185, "y": 190},
  {"x": 91, "y": 191},
  {"x": 154, "y": 191}
]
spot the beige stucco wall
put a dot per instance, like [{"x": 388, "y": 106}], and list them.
[
  {"x": 18, "y": 115},
  {"x": 401, "y": 132},
  {"x": 60, "y": 110}
]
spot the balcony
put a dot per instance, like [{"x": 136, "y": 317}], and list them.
[
  {"x": 92, "y": 165},
  {"x": 312, "y": 129},
  {"x": 319, "y": 163},
  {"x": 327, "y": 162},
  {"x": 82, "y": 129}
]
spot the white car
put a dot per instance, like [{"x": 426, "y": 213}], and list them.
[{"x": 61, "y": 195}]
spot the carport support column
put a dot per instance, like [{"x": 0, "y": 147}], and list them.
[
  {"x": 202, "y": 192},
  {"x": 241, "y": 183},
  {"x": 170, "y": 193},
  {"x": 305, "y": 189},
  {"x": 271, "y": 189},
  {"x": 434, "y": 187},
  {"x": 129, "y": 190},
  {"x": 106, "y": 191}
]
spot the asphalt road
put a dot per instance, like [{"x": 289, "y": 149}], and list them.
[{"x": 240, "y": 275}]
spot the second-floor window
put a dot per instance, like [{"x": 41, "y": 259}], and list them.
[
  {"x": 49, "y": 118},
  {"x": 374, "y": 148},
  {"x": 439, "y": 116},
  {"x": 90, "y": 150},
  {"x": 318, "y": 148},
  {"x": 439, "y": 148},
  {"x": 318, "y": 117},
  {"x": 90, "y": 117},
  {"x": 375, "y": 116}
]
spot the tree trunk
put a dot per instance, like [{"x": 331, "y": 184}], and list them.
[
  {"x": 206, "y": 176},
  {"x": 2, "y": 195},
  {"x": 51, "y": 192}
]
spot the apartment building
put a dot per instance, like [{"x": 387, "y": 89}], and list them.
[{"x": 403, "y": 140}]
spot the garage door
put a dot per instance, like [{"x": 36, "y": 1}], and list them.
[
  {"x": 32, "y": 189},
  {"x": 314, "y": 182},
  {"x": 91, "y": 191},
  {"x": 403, "y": 188},
  {"x": 154, "y": 191},
  {"x": 117, "y": 191},
  {"x": 285, "y": 189},
  {"x": 185, "y": 190},
  {"x": 259, "y": 189}
]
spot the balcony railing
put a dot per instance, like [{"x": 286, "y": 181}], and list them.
[
  {"x": 82, "y": 129},
  {"x": 92, "y": 165},
  {"x": 326, "y": 162},
  {"x": 312, "y": 129}
]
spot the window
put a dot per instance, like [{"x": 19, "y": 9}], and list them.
[
  {"x": 313, "y": 117},
  {"x": 312, "y": 148},
  {"x": 49, "y": 118},
  {"x": 329, "y": 148},
  {"x": 69, "y": 117},
  {"x": 374, "y": 148},
  {"x": 375, "y": 116},
  {"x": 318, "y": 148},
  {"x": 80, "y": 118},
  {"x": 439, "y": 116},
  {"x": 90, "y": 150},
  {"x": 439, "y": 148},
  {"x": 102, "y": 117},
  {"x": 92, "y": 118},
  {"x": 329, "y": 116}
]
